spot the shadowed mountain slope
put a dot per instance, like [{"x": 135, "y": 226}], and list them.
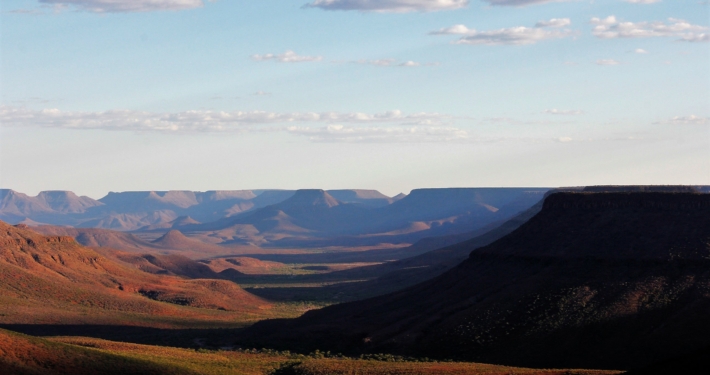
[{"x": 605, "y": 280}]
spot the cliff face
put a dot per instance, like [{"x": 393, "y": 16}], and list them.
[
  {"x": 630, "y": 226},
  {"x": 605, "y": 280}
]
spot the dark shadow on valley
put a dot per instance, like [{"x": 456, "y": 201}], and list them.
[{"x": 210, "y": 338}]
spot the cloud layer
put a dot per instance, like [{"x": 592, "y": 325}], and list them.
[
  {"x": 688, "y": 120},
  {"x": 198, "y": 121},
  {"x": 567, "y": 112},
  {"x": 543, "y": 30},
  {"x": 388, "y": 6},
  {"x": 127, "y": 6},
  {"x": 611, "y": 28},
  {"x": 286, "y": 57},
  {"x": 389, "y": 134}
]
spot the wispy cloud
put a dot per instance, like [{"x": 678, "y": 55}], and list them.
[
  {"x": 687, "y": 120},
  {"x": 521, "y": 3},
  {"x": 567, "y": 112},
  {"x": 640, "y": 51},
  {"x": 543, "y": 30},
  {"x": 388, "y": 6},
  {"x": 198, "y": 121},
  {"x": 611, "y": 28},
  {"x": 384, "y": 134},
  {"x": 607, "y": 62},
  {"x": 642, "y": 1},
  {"x": 286, "y": 57},
  {"x": 127, "y": 6},
  {"x": 393, "y": 63},
  {"x": 555, "y": 22}
]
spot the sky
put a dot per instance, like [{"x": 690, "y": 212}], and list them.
[{"x": 119, "y": 95}]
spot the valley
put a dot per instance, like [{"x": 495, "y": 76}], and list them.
[{"x": 547, "y": 278}]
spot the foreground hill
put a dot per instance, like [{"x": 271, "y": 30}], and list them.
[
  {"x": 51, "y": 279},
  {"x": 27, "y": 355},
  {"x": 605, "y": 280}
]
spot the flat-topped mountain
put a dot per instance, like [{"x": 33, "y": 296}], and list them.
[
  {"x": 372, "y": 198},
  {"x": 595, "y": 280},
  {"x": 309, "y": 198},
  {"x": 315, "y": 218},
  {"x": 13, "y": 203},
  {"x": 281, "y": 218}
]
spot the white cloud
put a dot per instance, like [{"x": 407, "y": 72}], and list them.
[
  {"x": 642, "y": 1},
  {"x": 197, "y": 121},
  {"x": 384, "y": 134},
  {"x": 641, "y": 51},
  {"x": 389, "y": 6},
  {"x": 564, "y": 139},
  {"x": 611, "y": 28},
  {"x": 509, "y": 36},
  {"x": 286, "y": 57},
  {"x": 555, "y": 22},
  {"x": 378, "y": 62},
  {"x": 563, "y": 111},
  {"x": 607, "y": 62},
  {"x": 687, "y": 120},
  {"x": 520, "y": 3},
  {"x": 393, "y": 63},
  {"x": 125, "y": 6}
]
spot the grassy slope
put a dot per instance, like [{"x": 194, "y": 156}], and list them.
[
  {"x": 367, "y": 367},
  {"x": 21, "y": 354},
  {"x": 27, "y": 355}
]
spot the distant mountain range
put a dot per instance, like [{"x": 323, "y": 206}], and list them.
[
  {"x": 282, "y": 218},
  {"x": 596, "y": 279}
]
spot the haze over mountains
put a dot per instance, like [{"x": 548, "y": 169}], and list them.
[
  {"x": 303, "y": 218},
  {"x": 603, "y": 280}
]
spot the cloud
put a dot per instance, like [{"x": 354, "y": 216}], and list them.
[
  {"x": 388, "y": 6},
  {"x": 388, "y": 134},
  {"x": 607, "y": 62},
  {"x": 687, "y": 120},
  {"x": 521, "y": 3},
  {"x": 127, "y": 6},
  {"x": 286, "y": 57},
  {"x": 641, "y": 51},
  {"x": 393, "y": 63},
  {"x": 198, "y": 121},
  {"x": 510, "y": 36},
  {"x": 611, "y": 28},
  {"x": 564, "y": 139},
  {"x": 563, "y": 111},
  {"x": 642, "y": 1},
  {"x": 555, "y": 22}
]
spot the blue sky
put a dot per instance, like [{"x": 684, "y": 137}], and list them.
[{"x": 108, "y": 95}]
